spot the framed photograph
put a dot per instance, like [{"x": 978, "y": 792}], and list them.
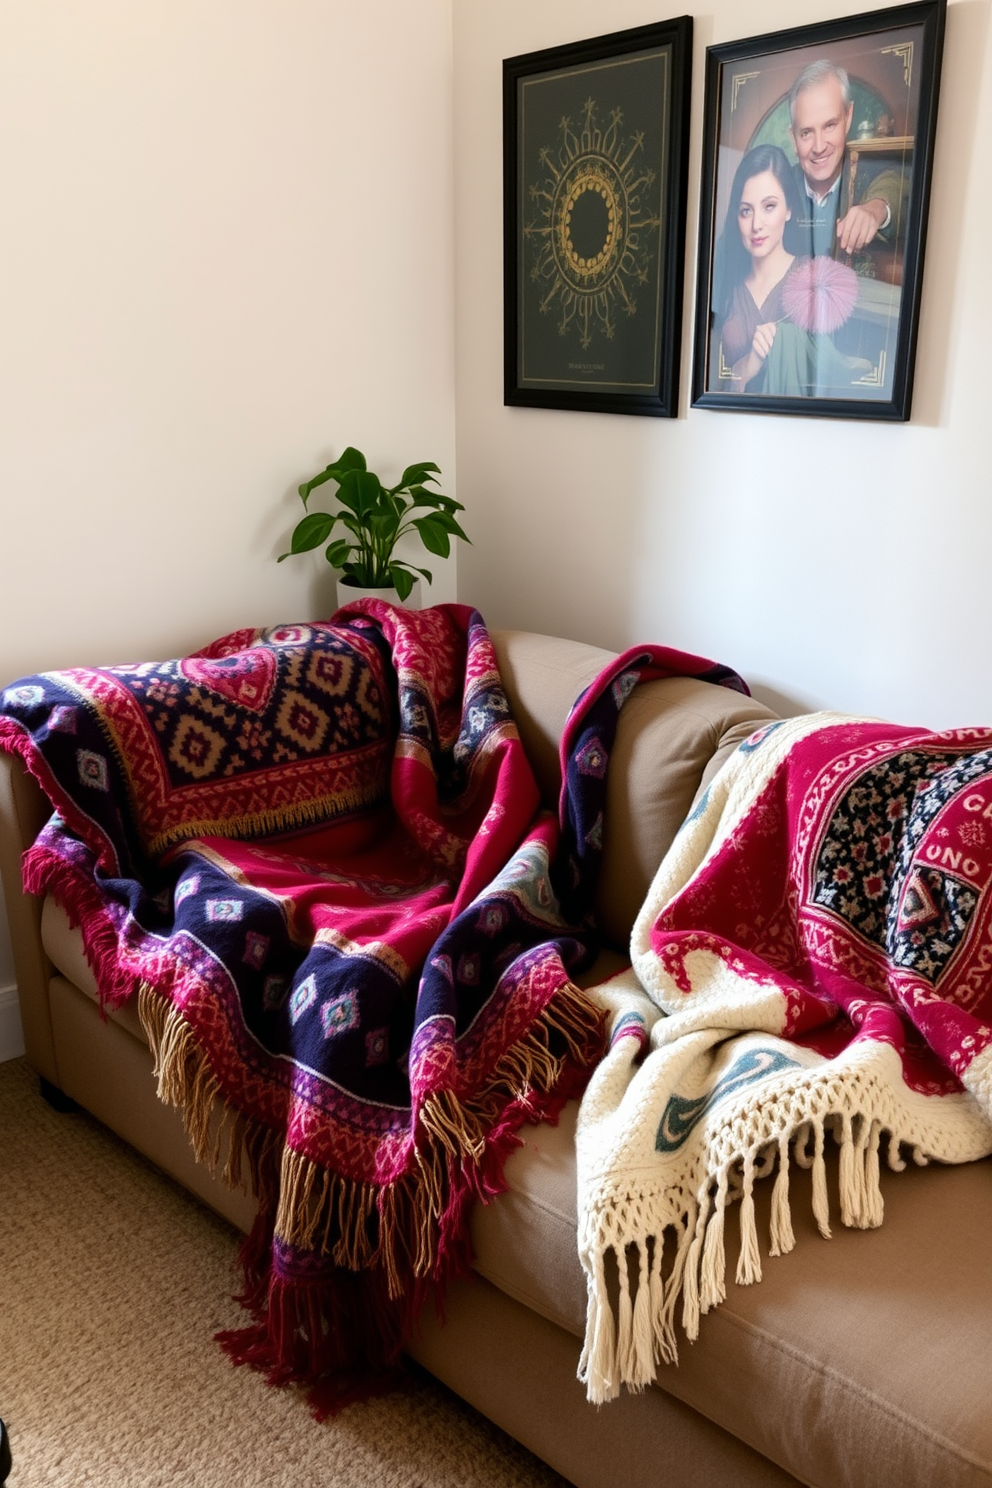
[
  {"x": 595, "y": 143},
  {"x": 817, "y": 157}
]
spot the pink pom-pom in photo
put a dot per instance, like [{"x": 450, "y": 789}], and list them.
[{"x": 819, "y": 294}]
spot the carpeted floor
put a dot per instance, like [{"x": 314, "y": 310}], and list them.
[{"x": 112, "y": 1283}]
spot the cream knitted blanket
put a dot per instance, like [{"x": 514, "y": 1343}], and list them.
[{"x": 812, "y": 961}]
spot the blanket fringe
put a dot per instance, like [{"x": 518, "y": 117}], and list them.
[
  {"x": 223, "y": 1139},
  {"x": 334, "y": 1332},
  {"x": 713, "y": 1284},
  {"x": 632, "y": 1300},
  {"x": 379, "y": 1249},
  {"x": 285, "y": 817},
  {"x": 781, "y": 1236}
]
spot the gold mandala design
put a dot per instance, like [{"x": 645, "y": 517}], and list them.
[{"x": 594, "y": 230}]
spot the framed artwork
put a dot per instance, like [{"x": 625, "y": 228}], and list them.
[
  {"x": 817, "y": 158},
  {"x": 595, "y": 144}
]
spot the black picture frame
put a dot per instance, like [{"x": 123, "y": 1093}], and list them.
[
  {"x": 826, "y": 342},
  {"x": 595, "y": 151}
]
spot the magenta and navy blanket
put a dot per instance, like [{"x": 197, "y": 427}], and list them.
[
  {"x": 315, "y": 855},
  {"x": 812, "y": 969}
]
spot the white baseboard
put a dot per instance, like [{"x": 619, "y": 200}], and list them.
[{"x": 11, "y": 1037}]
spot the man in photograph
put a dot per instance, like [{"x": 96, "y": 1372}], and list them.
[
  {"x": 820, "y": 113},
  {"x": 864, "y": 229}
]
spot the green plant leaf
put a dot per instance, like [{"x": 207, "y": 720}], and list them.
[
  {"x": 348, "y": 490},
  {"x": 401, "y": 580},
  {"x": 436, "y": 502},
  {"x": 311, "y": 485},
  {"x": 367, "y": 490},
  {"x": 424, "y": 573},
  {"x": 351, "y": 459},
  {"x": 447, "y": 521},
  {"x": 434, "y": 536},
  {"x": 337, "y": 552},
  {"x": 310, "y": 532},
  {"x": 383, "y": 526},
  {"x": 435, "y": 499},
  {"x": 417, "y": 473}
]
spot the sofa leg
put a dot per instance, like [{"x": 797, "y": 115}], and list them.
[
  {"x": 56, "y": 1098},
  {"x": 5, "y": 1458}
]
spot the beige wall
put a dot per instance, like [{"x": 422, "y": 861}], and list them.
[
  {"x": 835, "y": 564},
  {"x": 227, "y": 253}
]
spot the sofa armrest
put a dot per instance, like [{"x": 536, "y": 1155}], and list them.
[{"x": 23, "y": 812}]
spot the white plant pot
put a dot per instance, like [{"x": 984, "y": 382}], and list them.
[{"x": 347, "y": 593}]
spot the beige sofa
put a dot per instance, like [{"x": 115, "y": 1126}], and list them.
[{"x": 865, "y": 1361}]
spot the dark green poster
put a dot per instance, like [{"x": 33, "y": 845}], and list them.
[
  {"x": 593, "y": 153},
  {"x": 595, "y": 204}
]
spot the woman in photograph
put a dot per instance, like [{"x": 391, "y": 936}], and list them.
[
  {"x": 776, "y": 313},
  {"x": 751, "y": 263}
]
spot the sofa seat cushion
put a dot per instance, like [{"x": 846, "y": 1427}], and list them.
[{"x": 859, "y": 1362}]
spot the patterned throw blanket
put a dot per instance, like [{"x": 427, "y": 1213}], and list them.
[
  {"x": 315, "y": 855},
  {"x": 820, "y": 939}
]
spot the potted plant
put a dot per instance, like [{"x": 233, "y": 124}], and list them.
[{"x": 376, "y": 516}]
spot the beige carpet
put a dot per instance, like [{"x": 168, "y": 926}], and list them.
[{"x": 112, "y": 1283}]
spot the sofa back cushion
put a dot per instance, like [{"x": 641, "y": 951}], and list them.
[
  {"x": 672, "y": 738},
  {"x": 543, "y": 676}
]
